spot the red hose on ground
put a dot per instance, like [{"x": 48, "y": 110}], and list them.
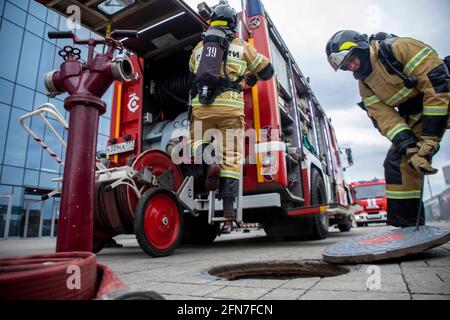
[{"x": 60, "y": 276}]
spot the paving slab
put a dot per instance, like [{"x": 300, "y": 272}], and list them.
[
  {"x": 352, "y": 295},
  {"x": 183, "y": 275},
  {"x": 283, "y": 294},
  {"x": 241, "y": 294},
  {"x": 432, "y": 280}
]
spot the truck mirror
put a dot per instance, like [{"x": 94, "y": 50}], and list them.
[{"x": 349, "y": 154}]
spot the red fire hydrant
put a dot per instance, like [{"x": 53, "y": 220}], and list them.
[{"x": 85, "y": 84}]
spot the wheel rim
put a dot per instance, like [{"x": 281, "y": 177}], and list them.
[
  {"x": 160, "y": 162},
  {"x": 161, "y": 222}
]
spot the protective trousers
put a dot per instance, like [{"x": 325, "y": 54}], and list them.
[
  {"x": 403, "y": 185},
  {"x": 227, "y": 135}
]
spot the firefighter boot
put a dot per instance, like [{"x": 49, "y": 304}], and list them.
[
  {"x": 228, "y": 192},
  {"x": 212, "y": 178},
  {"x": 228, "y": 208}
]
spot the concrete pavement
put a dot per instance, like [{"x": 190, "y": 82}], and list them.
[{"x": 184, "y": 275}]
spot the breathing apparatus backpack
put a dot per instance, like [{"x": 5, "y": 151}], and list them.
[
  {"x": 209, "y": 81},
  {"x": 393, "y": 66}
]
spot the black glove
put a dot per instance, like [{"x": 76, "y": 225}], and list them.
[{"x": 251, "y": 80}]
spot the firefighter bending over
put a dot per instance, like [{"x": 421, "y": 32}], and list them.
[
  {"x": 222, "y": 65},
  {"x": 405, "y": 90}
]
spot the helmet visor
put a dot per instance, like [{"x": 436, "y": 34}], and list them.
[{"x": 338, "y": 59}]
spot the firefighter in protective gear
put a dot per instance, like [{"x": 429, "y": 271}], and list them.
[
  {"x": 242, "y": 65},
  {"x": 405, "y": 90}
]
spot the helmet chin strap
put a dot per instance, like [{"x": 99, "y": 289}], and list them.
[{"x": 365, "y": 67}]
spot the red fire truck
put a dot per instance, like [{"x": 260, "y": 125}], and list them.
[
  {"x": 371, "y": 196},
  {"x": 292, "y": 181}
]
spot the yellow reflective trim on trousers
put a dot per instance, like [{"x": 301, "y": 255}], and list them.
[
  {"x": 417, "y": 60},
  {"x": 255, "y": 64},
  {"x": 230, "y": 174},
  {"x": 391, "y": 134},
  {"x": 347, "y": 45},
  {"x": 219, "y": 23},
  {"x": 371, "y": 101},
  {"x": 220, "y": 103},
  {"x": 403, "y": 195},
  {"x": 403, "y": 93},
  {"x": 435, "y": 110}
]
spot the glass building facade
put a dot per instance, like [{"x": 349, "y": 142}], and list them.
[{"x": 26, "y": 170}]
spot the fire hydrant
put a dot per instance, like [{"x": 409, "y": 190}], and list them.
[{"x": 85, "y": 84}]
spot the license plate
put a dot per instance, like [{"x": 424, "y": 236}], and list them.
[
  {"x": 373, "y": 217},
  {"x": 120, "y": 147}
]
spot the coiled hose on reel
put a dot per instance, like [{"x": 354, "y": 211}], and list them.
[{"x": 172, "y": 93}]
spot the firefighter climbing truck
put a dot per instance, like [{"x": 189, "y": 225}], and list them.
[
  {"x": 371, "y": 196},
  {"x": 292, "y": 179}
]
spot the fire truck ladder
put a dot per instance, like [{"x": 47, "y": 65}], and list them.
[{"x": 117, "y": 176}]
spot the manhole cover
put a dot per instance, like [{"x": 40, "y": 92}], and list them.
[
  {"x": 279, "y": 270},
  {"x": 387, "y": 244}
]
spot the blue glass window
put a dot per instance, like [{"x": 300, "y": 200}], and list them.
[
  {"x": 15, "y": 14},
  {"x": 6, "y": 91},
  {"x": 104, "y": 126},
  {"x": 45, "y": 180},
  {"x": 38, "y": 10},
  {"x": 39, "y": 99},
  {"x": 53, "y": 19},
  {"x": 12, "y": 35},
  {"x": 35, "y": 25},
  {"x": 31, "y": 178},
  {"x": 16, "y": 145},
  {"x": 29, "y": 60},
  {"x": 22, "y": 3},
  {"x": 6, "y": 189},
  {"x": 23, "y": 98},
  {"x": 12, "y": 176},
  {"x": 46, "y": 65},
  {"x": 2, "y": 3},
  {"x": 4, "y": 120},
  {"x": 102, "y": 142}
]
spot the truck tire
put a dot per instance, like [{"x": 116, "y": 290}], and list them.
[
  {"x": 197, "y": 230},
  {"x": 321, "y": 221},
  {"x": 158, "y": 223},
  {"x": 346, "y": 226}
]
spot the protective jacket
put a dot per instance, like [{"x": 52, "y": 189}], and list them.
[
  {"x": 242, "y": 58},
  {"x": 428, "y": 102}
]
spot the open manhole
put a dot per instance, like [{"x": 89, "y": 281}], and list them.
[{"x": 279, "y": 270}]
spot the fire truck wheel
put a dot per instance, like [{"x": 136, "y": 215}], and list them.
[
  {"x": 199, "y": 231},
  {"x": 346, "y": 226},
  {"x": 98, "y": 244},
  {"x": 158, "y": 223},
  {"x": 321, "y": 221}
]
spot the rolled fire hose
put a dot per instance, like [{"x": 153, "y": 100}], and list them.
[{"x": 59, "y": 276}]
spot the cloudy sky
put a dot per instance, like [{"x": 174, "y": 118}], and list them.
[{"x": 307, "y": 25}]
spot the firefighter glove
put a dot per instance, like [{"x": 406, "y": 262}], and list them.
[
  {"x": 428, "y": 146},
  {"x": 419, "y": 163},
  {"x": 251, "y": 80}
]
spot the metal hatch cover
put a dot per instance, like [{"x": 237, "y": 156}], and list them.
[
  {"x": 154, "y": 19},
  {"x": 387, "y": 244}
]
